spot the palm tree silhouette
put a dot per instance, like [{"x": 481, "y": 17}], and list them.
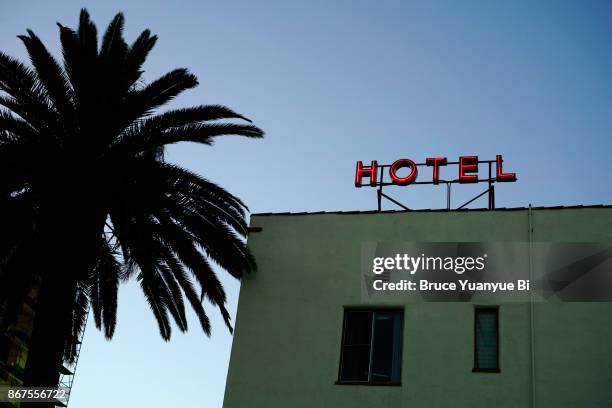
[{"x": 88, "y": 200}]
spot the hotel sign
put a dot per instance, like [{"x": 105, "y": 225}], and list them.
[
  {"x": 404, "y": 172},
  {"x": 467, "y": 172}
]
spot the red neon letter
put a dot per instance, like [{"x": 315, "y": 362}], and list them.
[
  {"x": 436, "y": 162},
  {"x": 501, "y": 176},
  {"x": 367, "y": 172},
  {"x": 402, "y": 181},
  {"x": 468, "y": 164}
]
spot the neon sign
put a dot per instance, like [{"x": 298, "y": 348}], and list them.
[
  {"x": 404, "y": 172},
  {"x": 468, "y": 171}
]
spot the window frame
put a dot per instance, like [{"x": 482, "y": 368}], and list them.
[
  {"x": 372, "y": 310},
  {"x": 495, "y": 310}
]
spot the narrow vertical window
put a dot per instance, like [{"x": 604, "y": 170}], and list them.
[
  {"x": 371, "y": 347},
  {"x": 356, "y": 347},
  {"x": 486, "y": 339}
]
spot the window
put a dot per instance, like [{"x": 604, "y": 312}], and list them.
[
  {"x": 486, "y": 339},
  {"x": 371, "y": 347}
]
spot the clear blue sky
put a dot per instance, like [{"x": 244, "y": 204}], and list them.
[{"x": 333, "y": 82}]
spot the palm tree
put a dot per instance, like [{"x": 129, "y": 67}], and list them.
[{"x": 89, "y": 201}]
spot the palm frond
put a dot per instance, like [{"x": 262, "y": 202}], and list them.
[
  {"x": 79, "y": 319},
  {"x": 181, "y": 243},
  {"x": 142, "y": 102},
  {"x": 17, "y": 128},
  {"x": 176, "y": 296},
  {"x": 88, "y": 33},
  {"x": 51, "y": 75},
  {"x": 181, "y": 117},
  {"x": 187, "y": 286},
  {"x": 26, "y": 93},
  {"x": 80, "y": 51},
  {"x": 159, "y": 309},
  {"x": 136, "y": 56},
  {"x": 104, "y": 289},
  {"x": 112, "y": 41},
  {"x": 218, "y": 241},
  {"x": 202, "y": 133}
]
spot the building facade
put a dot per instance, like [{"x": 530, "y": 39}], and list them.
[
  {"x": 303, "y": 331},
  {"x": 14, "y": 347}
]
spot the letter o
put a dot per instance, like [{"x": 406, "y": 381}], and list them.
[{"x": 403, "y": 181}]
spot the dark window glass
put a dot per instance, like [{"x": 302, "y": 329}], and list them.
[
  {"x": 486, "y": 350},
  {"x": 371, "y": 346},
  {"x": 356, "y": 347}
]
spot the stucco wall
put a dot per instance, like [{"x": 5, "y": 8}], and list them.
[{"x": 286, "y": 346}]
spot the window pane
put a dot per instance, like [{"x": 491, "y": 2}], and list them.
[
  {"x": 386, "y": 352},
  {"x": 356, "y": 346},
  {"x": 355, "y": 363},
  {"x": 486, "y": 339},
  {"x": 357, "y": 327}
]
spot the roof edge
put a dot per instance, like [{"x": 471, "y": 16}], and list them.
[{"x": 557, "y": 207}]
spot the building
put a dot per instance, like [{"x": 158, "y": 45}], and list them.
[
  {"x": 14, "y": 345},
  {"x": 291, "y": 332}
]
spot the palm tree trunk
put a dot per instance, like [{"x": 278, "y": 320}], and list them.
[
  {"x": 51, "y": 323},
  {"x": 68, "y": 254}
]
